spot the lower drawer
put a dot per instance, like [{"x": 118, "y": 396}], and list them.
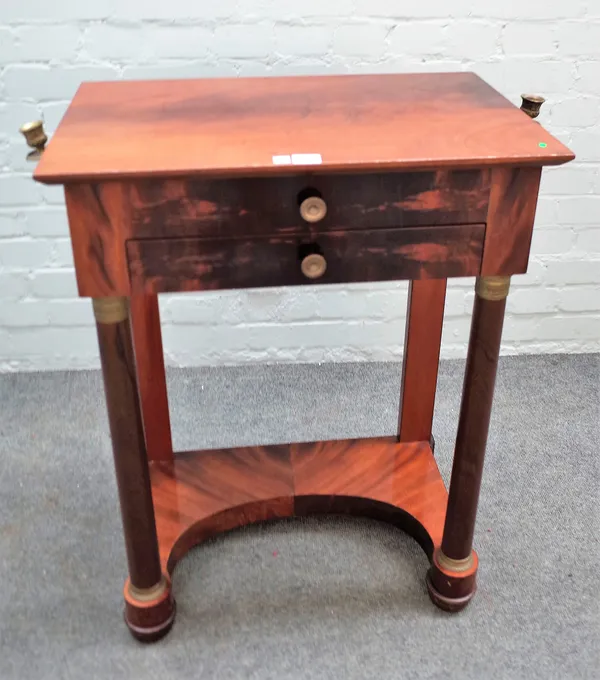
[{"x": 187, "y": 264}]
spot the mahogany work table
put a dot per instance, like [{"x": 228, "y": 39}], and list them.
[{"x": 195, "y": 185}]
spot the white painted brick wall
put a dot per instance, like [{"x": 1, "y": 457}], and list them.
[{"x": 546, "y": 46}]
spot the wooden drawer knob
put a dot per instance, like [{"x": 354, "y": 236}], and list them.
[
  {"x": 313, "y": 266},
  {"x": 313, "y": 209}
]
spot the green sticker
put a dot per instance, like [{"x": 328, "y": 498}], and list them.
[{"x": 542, "y": 145}]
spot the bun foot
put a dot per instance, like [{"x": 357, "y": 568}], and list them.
[
  {"x": 149, "y": 613},
  {"x": 452, "y": 583}
]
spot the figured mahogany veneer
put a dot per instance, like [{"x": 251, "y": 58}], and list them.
[
  {"x": 234, "y": 126},
  {"x": 254, "y": 206},
  {"x": 421, "y": 357},
  {"x": 179, "y": 185},
  {"x": 104, "y": 217},
  {"x": 511, "y": 212},
  {"x": 150, "y": 370},
  {"x": 168, "y": 265},
  {"x": 201, "y": 494},
  {"x": 126, "y": 430}
]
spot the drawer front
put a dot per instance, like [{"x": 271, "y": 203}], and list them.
[
  {"x": 246, "y": 207},
  {"x": 191, "y": 264}
]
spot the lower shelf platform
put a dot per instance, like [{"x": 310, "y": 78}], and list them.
[{"x": 204, "y": 493}]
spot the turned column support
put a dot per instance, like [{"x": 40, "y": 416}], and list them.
[
  {"x": 451, "y": 578},
  {"x": 149, "y": 607}
]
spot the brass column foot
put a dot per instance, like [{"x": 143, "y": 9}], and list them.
[
  {"x": 149, "y": 612},
  {"x": 452, "y": 583}
]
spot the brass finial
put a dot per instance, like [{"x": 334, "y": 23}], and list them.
[
  {"x": 35, "y": 137},
  {"x": 532, "y": 104}
]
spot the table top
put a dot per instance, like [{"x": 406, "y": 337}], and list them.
[{"x": 254, "y": 126}]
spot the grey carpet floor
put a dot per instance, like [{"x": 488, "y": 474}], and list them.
[{"x": 319, "y": 598}]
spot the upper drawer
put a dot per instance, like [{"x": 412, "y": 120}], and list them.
[{"x": 263, "y": 205}]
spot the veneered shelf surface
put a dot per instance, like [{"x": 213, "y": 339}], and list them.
[
  {"x": 205, "y": 493},
  {"x": 234, "y": 127}
]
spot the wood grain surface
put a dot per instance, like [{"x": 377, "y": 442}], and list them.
[
  {"x": 473, "y": 425},
  {"x": 151, "y": 379},
  {"x": 99, "y": 222},
  {"x": 244, "y": 207},
  {"x": 104, "y": 215},
  {"x": 234, "y": 126},
  {"x": 204, "y": 493},
  {"x": 421, "y": 357},
  {"x": 168, "y": 265},
  {"x": 511, "y": 214},
  {"x": 129, "y": 452}
]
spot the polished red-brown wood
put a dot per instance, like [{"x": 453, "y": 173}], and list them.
[
  {"x": 250, "y": 206},
  {"x": 235, "y": 126},
  {"x": 104, "y": 216},
  {"x": 127, "y": 435},
  {"x": 147, "y": 619},
  {"x": 203, "y": 493},
  {"x": 400, "y": 481},
  {"x": 151, "y": 378},
  {"x": 450, "y": 588},
  {"x": 511, "y": 213},
  {"x": 168, "y": 265},
  {"x": 99, "y": 222},
  {"x": 422, "y": 342},
  {"x": 473, "y": 425},
  {"x": 173, "y": 186}
]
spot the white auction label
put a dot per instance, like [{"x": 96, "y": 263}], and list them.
[
  {"x": 285, "y": 159},
  {"x": 306, "y": 159}
]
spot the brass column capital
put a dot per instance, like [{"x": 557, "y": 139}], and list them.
[
  {"x": 492, "y": 287},
  {"x": 110, "y": 309}
]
